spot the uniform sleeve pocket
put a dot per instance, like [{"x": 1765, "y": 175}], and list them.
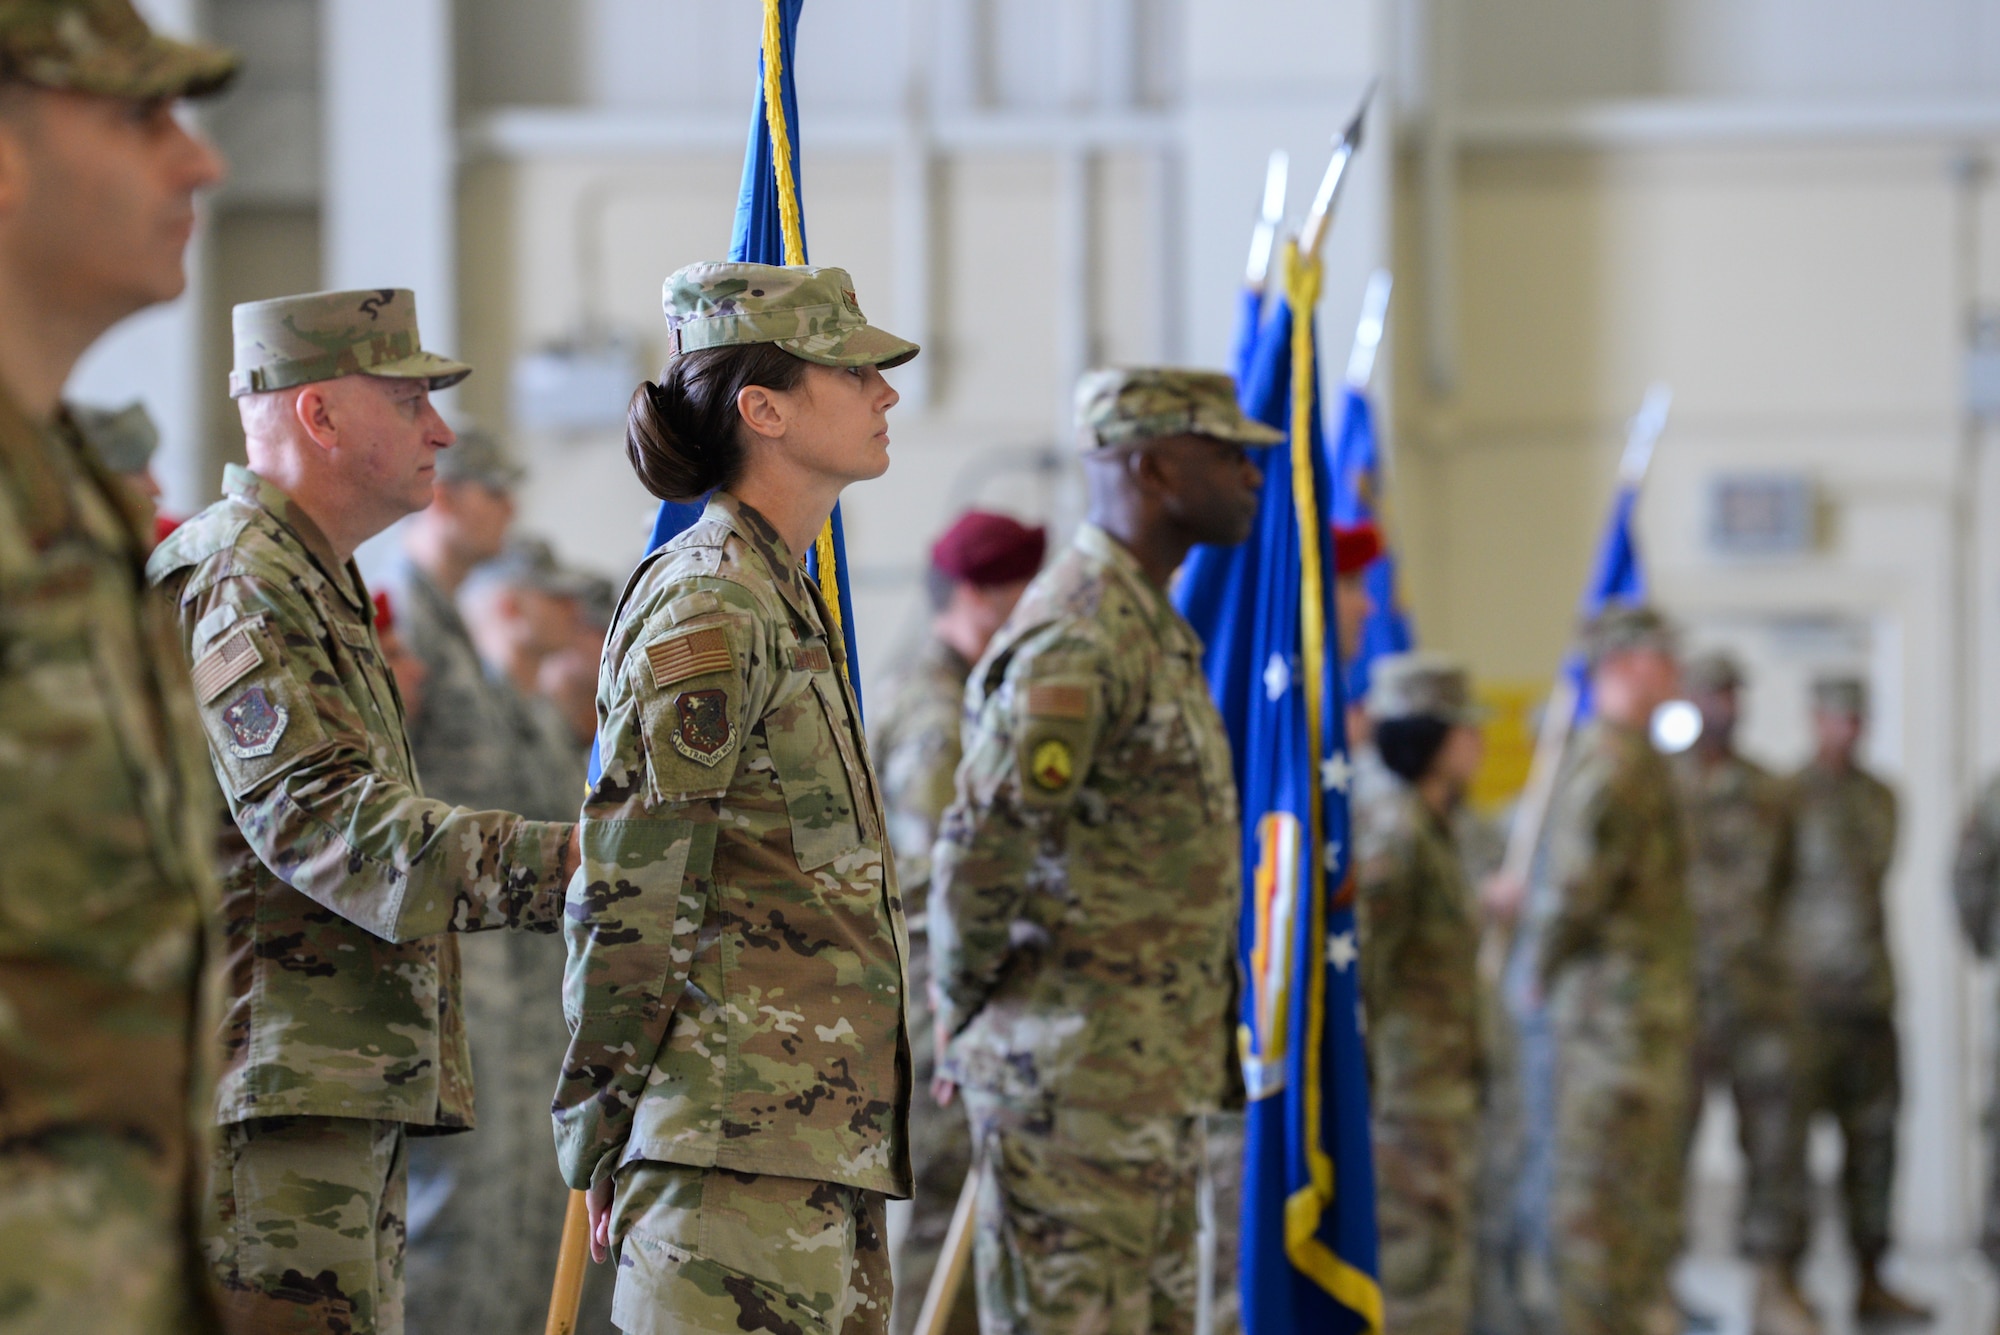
[{"x": 818, "y": 795}]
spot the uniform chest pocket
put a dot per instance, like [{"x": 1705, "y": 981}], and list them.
[{"x": 812, "y": 772}]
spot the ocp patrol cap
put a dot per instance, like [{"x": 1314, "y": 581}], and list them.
[
  {"x": 1130, "y": 405},
  {"x": 104, "y": 47},
  {"x": 810, "y": 313},
  {"x": 1841, "y": 695},
  {"x": 1421, "y": 685},
  {"x": 1628, "y": 628},
  {"x": 315, "y": 336},
  {"x": 123, "y": 439}
]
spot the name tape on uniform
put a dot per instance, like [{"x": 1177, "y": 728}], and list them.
[
  {"x": 690, "y": 654},
  {"x": 811, "y": 658},
  {"x": 225, "y": 664}
]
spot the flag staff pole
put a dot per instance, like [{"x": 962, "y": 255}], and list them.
[
  {"x": 1368, "y": 330},
  {"x": 1264, "y": 237},
  {"x": 1319, "y": 218},
  {"x": 1559, "y": 718}
]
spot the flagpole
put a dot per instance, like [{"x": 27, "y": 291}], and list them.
[
  {"x": 1368, "y": 331},
  {"x": 1264, "y": 238},
  {"x": 1559, "y": 718}
]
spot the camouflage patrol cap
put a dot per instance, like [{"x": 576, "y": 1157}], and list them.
[
  {"x": 810, "y": 313},
  {"x": 1129, "y": 405},
  {"x": 1421, "y": 685},
  {"x": 1840, "y": 695},
  {"x": 1625, "y": 628},
  {"x": 478, "y": 456},
  {"x": 1714, "y": 671},
  {"x": 289, "y": 341},
  {"x": 104, "y": 47},
  {"x": 528, "y": 563},
  {"x": 123, "y": 439}
]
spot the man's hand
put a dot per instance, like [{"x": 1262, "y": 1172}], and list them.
[
  {"x": 599, "y": 1202},
  {"x": 1502, "y": 895}
]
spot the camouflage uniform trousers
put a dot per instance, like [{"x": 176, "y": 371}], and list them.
[
  {"x": 1849, "y": 1067},
  {"x": 707, "y": 1251},
  {"x": 940, "y": 1158},
  {"x": 1086, "y": 1221},
  {"x": 1621, "y": 1093},
  {"x": 1989, "y": 1234},
  {"x": 94, "y": 1237},
  {"x": 304, "y": 1225},
  {"x": 1425, "y": 1172},
  {"x": 1755, "y": 1059}
]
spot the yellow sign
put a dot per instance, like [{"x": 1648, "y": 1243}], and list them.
[
  {"x": 1513, "y": 710},
  {"x": 1052, "y": 765}
]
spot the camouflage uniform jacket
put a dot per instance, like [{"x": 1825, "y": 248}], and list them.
[
  {"x": 1737, "y": 818},
  {"x": 1420, "y": 987},
  {"x": 917, "y": 750},
  {"x": 1834, "y": 929},
  {"x": 736, "y": 972},
  {"x": 1620, "y": 935},
  {"x": 1086, "y": 885},
  {"x": 1975, "y": 872},
  {"x": 340, "y": 879},
  {"x": 106, "y": 875}
]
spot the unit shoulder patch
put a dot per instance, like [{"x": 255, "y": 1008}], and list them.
[
  {"x": 689, "y": 653},
  {"x": 225, "y": 665},
  {"x": 255, "y": 723},
  {"x": 1052, "y": 765},
  {"x": 701, "y": 729}
]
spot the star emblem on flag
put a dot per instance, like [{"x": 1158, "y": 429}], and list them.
[
  {"x": 1277, "y": 677},
  {"x": 1341, "y": 952},
  {"x": 1333, "y": 850},
  {"x": 1335, "y": 773}
]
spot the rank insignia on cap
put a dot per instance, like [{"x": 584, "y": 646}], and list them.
[
  {"x": 1052, "y": 765},
  {"x": 701, "y": 728},
  {"x": 255, "y": 724}
]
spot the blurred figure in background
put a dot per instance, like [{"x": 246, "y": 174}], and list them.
[
  {"x": 568, "y": 677},
  {"x": 1419, "y": 937},
  {"x": 1739, "y": 838},
  {"x": 405, "y": 667},
  {"x": 124, "y": 439},
  {"x": 1849, "y": 1065},
  {"x": 521, "y": 609},
  {"x": 1975, "y": 884},
  {"x": 1617, "y": 967},
  {"x": 485, "y": 1208},
  {"x": 979, "y": 568}
]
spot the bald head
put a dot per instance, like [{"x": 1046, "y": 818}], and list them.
[{"x": 356, "y": 453}]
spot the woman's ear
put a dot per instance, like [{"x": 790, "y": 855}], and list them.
[{"x": 762, "y": 410}]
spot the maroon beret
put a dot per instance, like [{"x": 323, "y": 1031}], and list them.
[
  {"x": 985, "y": 549},
  {"x": 1355, "y": 547}
]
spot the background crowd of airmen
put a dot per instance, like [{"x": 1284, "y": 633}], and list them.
[{"x": 752, "y": 1052}]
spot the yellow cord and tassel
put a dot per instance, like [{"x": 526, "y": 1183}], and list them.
[
  {"x": 792, "y": 225},
  {"x": 1352, "y": 1287}
]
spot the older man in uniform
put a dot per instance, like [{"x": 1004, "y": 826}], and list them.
[
  {"x": 1616, "y": 964},
  {"x": 979, "y": 568},
  {"x": 1739, "y": 836},
  {"x": 1848, "y": 1065},
  {"x": 1085, "y": 888},
  {"x": 106, "y": 811},
  {"x": 341, "y": 880}
]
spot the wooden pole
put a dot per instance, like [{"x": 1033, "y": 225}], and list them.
[
  {"x": 954, "y": 1260},
  {"x": 567, "y": 1294}
]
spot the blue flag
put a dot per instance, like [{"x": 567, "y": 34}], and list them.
[
  {"x": 1308, "y": 1241},
  {"x": 757, "y": 237},
  {"x": 1357, "y": 494}
]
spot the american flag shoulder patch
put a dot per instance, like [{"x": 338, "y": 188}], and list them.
[
  {"x": 225, "y": 664},
  {"x": 1051, "y": 700},
  {"x": 689, "y": 653}
]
